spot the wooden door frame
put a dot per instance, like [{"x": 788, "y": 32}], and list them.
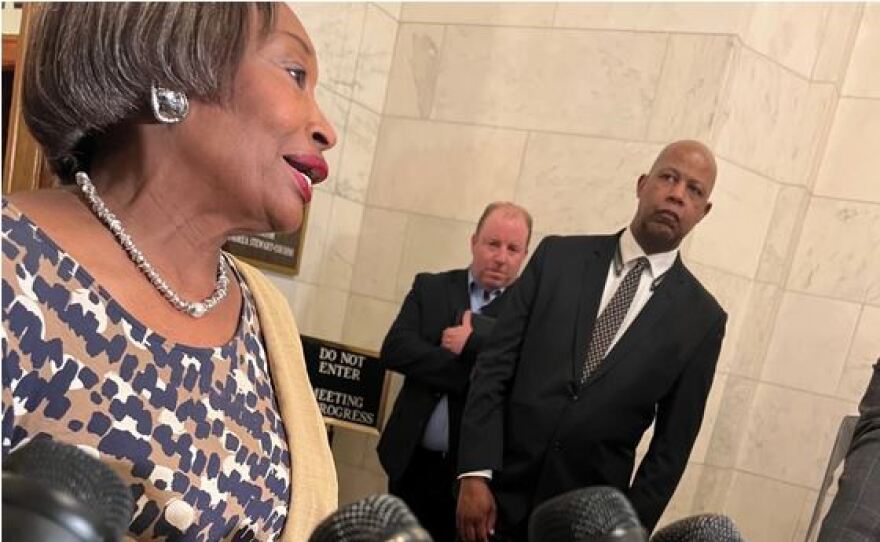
[{"x": 23, "y": 165}]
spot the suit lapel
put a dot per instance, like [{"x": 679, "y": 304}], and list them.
[
  {"x": 641, "y": 331},
  {"x": 590, "y": 282},
  {"x": 458, "y": 295}
]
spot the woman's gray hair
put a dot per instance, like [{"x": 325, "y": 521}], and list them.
[{"x": 90, "y": 65}]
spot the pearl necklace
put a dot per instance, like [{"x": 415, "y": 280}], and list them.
[{"x": 196, "y": 309}]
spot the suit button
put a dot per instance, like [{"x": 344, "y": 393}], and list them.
[{"x": 574, "y": 397}]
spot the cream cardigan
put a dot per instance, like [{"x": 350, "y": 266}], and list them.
[{"x": 314, "y": 487}]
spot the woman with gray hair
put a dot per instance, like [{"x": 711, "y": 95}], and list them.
[{"x": 127, "y": 331}]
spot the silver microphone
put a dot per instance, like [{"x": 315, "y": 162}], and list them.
[
  {"x": 699, "y": 528},
  {"x": 593, "y": 514},
  {"x": 377, "y": 518}
]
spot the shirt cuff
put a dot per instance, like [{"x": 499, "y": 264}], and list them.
[{"x": 476, "y": 473}]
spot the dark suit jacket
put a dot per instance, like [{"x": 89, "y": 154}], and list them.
[
  {"x": 541, "y": 433},
  {"x": 853, "y": 515},
  {"x": 412, "y": 347}
]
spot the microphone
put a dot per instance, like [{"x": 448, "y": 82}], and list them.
[
  {"x": 55, "y": 492},
  {"x": 699, "y": 528},
  {"x": 593, "y": 514},
  {"x": 377, "y": 518}
]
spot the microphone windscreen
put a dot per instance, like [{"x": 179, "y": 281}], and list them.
[
  {"x": 589, "y": 514},
  {"x": 372, "y": 519},
  {"x": 62, "y": 467},
  {"x": 700, "y": 528}
]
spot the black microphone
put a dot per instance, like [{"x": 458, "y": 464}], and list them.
[
  {"x": 55, "y": 492},
  {"x": 377, "y": 518},
  {"x": 700, "y": 528},
  {"x": 593, "y": 514}
]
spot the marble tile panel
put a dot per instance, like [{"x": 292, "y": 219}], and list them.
[
  {"x": 348, "y": 447},
  {"x": 731, "y": 422},
  {"x": 838, "y": 252},
  {"x": 682, "y": 502},
  {"x": 790, "y": 435},
  {"x": 445, "y": 170},
  {"x": 433, "y": 245},
  {"x": 355, "y": 483},
  {"x": 756, "y": 330},
  {"x": 789, "y": 33},
  {"x": 763, "y": 509},
  {"x": 367, "y": 321},
  {"x": 849, "y": 167},
  {"x": 591, "y": 83},
  {"x": 733, "y": 293},
  {"x": 862, "y": 77},
  {"x": 779, "y": 244},
  {"x": 380, "y": 250},
  {"x": 803, "y": 524},
  {"x": 863, "y": 354},
  {"x": 340, "y": 247},
  {"x": 708, "y": 18},
  {"x": 371, "y": 457},
  {"x": 362, "y": 131},
  {"x": 731, "y": 236},
  {"x": 319, "y": 312},
  {"x": 573, "y": 184},
  {"x": 810, "y": 342},
  {"x": 414, "y": 70},
  {"x": 772, "y": 120},
  {"x": 710, "y": 418},
  {"x": 480, "y": 13},
  {"x": 873, "y": 296},
  {"x": 712, "y": 489},
  {"x": 316, "y": 224},
  {"x": 841, "y": 27},
  {"x": 374, "y": 58},
  {"x": 695, "y": 73},
  {"x": 391, "y": 8},
  {"x": 643, "y": 445},
  {"x": 336, "y": 30}
]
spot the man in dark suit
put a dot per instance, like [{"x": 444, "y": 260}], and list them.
[
  {"x": 600, "y": 337},
  {"x": 433, "y": 343},
  {"x": 854, "y": 515}
]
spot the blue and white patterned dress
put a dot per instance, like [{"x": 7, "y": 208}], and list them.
[{"x": 195, "y": 431}]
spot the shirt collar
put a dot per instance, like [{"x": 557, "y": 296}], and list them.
[{"x": 629, "y": 250}]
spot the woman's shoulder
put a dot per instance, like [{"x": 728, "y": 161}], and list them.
[{"x": 51, "y": 210}]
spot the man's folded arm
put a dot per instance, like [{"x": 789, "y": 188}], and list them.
[{"x": 406, "y": 351}]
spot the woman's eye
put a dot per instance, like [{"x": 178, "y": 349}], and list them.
[{"x": 299, "y": 75}]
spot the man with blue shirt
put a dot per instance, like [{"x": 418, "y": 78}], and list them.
[{"x": 433, "y": 342}]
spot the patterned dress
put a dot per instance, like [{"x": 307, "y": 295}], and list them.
[{"x": 194, "y": 431}]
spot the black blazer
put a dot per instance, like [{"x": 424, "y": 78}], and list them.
[
  {"x": 412, "y": 347},
  {"x": 541, "y": 433}
]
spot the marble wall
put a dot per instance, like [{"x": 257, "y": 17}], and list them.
[{"x": 442, "y": 108}]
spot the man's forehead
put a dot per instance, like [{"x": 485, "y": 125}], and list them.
[{"x": 691, "y": 161}]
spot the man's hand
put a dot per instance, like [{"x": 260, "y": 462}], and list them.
[
  {"x": 455, "y": 337},
  {"x": 475, "y": 516}
]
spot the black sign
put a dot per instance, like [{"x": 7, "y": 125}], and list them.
[
  {"x": 349, "y": 384},
  {"x": 279, "y": 252}
]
